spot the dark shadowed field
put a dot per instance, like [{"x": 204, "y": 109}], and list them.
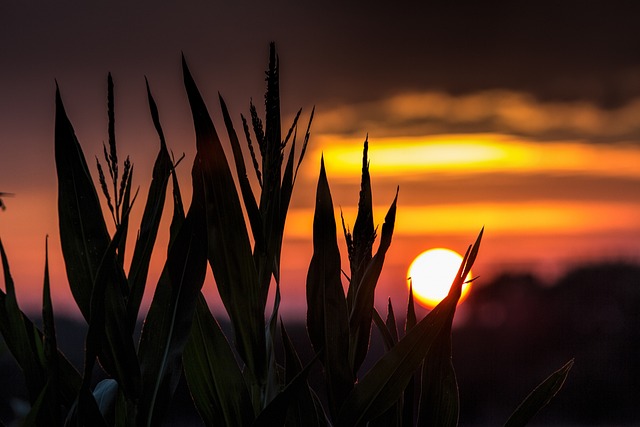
[{"x": 516, "y": 331}]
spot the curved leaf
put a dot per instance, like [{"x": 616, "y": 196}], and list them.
[
  {"x": 83, "y": 233},
  {"x": 327, "y": 321},
  {"x": 150, "y": 219},
  {"x": 18, "y": 338},
  {"x": 383, "y": 385},
  {"x": 360, "y": 244},
  {"x": 215, "y": 381},
  {"x": 539, "y": 397},
  {"x": 361, "y": 311},
  {"x": 170, "y": 316},
  {"x": 229, "y": 248}
]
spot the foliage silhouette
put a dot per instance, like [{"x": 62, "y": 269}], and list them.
[{"x": 242, "y": 382}]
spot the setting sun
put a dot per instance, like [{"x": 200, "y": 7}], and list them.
[{"x": 432, "y": 273}]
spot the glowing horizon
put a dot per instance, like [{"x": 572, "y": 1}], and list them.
[{"x": 477, "y": 153}]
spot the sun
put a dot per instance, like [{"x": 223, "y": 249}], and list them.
[{"x": 432, "y": 273}]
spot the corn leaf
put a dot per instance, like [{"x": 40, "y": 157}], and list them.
[
  {"x": 170, "y": 316},
  {"x": 360, "y": 244},
  {"x": 361, "y": 312},
  {"x": 327, "y": 321},
  {"x": 410, "y": 391},
  {"x": 411, "y": 311},
  {"x": 229, "y": 248},
  {"x": 20, "y": 340},
  {"x": 305, "y": 411},
  {"x": 108, "y": 336},
  {"x": 383, "y": 385},
  {"x": 539, "y": 397},
  {"x": 387, "y": 338},
  {"x": 248, "y": 198},
  {"x": 106, "y": 394},
  {"x": 150, "y": 219},
  {"x": 85, "y": 243},
  {"x": 215, "y": 381},
  {"x": 439, "y": 402},
  {"x": 273, "y": 380},
  {"x": 83, "y": 233},
  {"x": 178, "y": 208},
  {"x": 69, "y": 378},
  {"x": 51, "y": 406},
  {"x": 275, "y": 413}
]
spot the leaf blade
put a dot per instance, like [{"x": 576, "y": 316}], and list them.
[
  {"x": 327, "y": 318},
  {"x": 215, "y": 381},
  {"x": 539, "y": 397}
]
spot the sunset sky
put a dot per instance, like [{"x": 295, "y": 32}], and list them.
[{"x": 524, "y": 120}]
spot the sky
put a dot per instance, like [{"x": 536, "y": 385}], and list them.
[{"x": 520, "y": 117}]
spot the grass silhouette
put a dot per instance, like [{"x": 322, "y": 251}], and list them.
[{"x": 238, "y": 381}]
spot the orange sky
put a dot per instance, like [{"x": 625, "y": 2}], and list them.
[
  {"x": 524, "y": 122},
  {"x": 545, "y": 206}
]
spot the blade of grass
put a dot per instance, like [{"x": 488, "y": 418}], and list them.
[
  {"x": 327, "y": 321},
  {"x": 382, "y": 386},
  {"x": 361, "y": 312},
  {"x": 410, "y": 390},
  {"x": 215, "y": 381},
  {"x": 51, "y": 404},
  {"x": 275, "y": 413},
  {"x": 229, "y": 248},
  {"x": 439, "y": 402},
  {"x": 364, "y": 233},
  {"x": 170, "y": 316},
  {"x": 21, "y": 343},
  {"x": 248, "y": 198},
  {"x": 151, "y": 217},
  {"x": 83, "y": 233},
  {"x": 108, "y": 336},
  {"x": 305, "y": 412},
  {"x": 387, "y": 338},
  {"x": 539, "y": 397}
]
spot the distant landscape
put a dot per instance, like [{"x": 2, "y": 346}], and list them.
[{"x": 513, "y": 330}]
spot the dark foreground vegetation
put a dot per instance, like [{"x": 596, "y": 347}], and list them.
[
  {"x": 513, "y": 322},
  {"x": 255, "y": 373}
]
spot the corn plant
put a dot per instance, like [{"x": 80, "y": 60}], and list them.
[{"x": 235, "y": 381}]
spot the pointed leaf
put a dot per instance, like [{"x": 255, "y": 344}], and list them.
[
  {"x": 83, "y": 233},
  {"x": 360, "y": 316},
  {"x": 215, "y": 381},
  {"x": 249, "y": 199},
  {"x": 170, "y": 316},
  {"x": 384, "y": 383},
  {"x": 150, "y": 219},
  {"x": 229, "y": 248},
  {"x": 439, "y": 401},
  {"x": 387, "y": 339},
  {"x": 539, "y": 397},
  {"x": 305, "y": 411},
  {"x": 275, "y": 413},
  {"x": 51, "y": 406},
  {"x": 178, "y": 208},
  {"x": 108, "y": 336},
  {"x": 364, "y": 233},
  {"x": 69, "y": 378},
  {"x": 21, "y": 343},
  {"x": 327, "y": 321}
]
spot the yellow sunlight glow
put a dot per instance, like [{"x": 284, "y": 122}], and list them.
[
  {"x": 432, "y": 273},
  {"x": 500, "y": 218},
  {"x": 473, "y": 153}
]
